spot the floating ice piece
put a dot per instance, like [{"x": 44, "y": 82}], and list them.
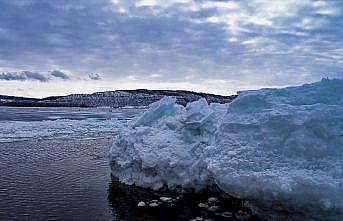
[
  {"x": 269, "y": 145},
  {"x": 202, "y": 205},
  {"x": 213, "y": 208},
  {"x": 226, "y": 214},
  {"x": 165, "y": 199},
  {"x": 141, "y": 204},
  {"x": 153, "y": 204}
]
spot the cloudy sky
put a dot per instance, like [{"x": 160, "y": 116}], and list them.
[{"x": 82, "y": 46}]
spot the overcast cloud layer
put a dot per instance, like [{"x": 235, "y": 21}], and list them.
[{"x": 202, "y": 45}]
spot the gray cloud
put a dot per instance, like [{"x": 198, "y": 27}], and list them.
[
  {"x": 59, "y": 74},
  {"x": 94, "y": 76},
  {"x": 254, "y": 43},
  {"x": 22, "y": 76}
]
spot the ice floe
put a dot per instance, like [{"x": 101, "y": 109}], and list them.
[{"x": 269, "y": 145}]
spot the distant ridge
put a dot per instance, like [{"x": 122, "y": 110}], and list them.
[{"x": 118, "y": 98}]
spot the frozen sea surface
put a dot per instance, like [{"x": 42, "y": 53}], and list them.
[
  {"x": 17, "y": 123},
  {"x": 282, "y": 149}
]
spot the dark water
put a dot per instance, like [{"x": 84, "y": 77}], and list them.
[
  {"x": 69, "y": 178},
  {"x": 55, "y": 179}
]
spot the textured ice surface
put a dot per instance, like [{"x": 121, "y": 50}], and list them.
[
  {"x": 17, "y": 130},
  {"x": 22, "y": 123},
  {"x": 269, "y": 145}
]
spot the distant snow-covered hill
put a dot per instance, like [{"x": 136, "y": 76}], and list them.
[{"x": 119, "y": 98}]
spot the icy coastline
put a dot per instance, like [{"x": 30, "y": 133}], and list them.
[{"x": 281, "y": 146}]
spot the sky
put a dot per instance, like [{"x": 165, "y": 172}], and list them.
[{"x": 83, "y": 46}]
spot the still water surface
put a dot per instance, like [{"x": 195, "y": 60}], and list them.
[{"x": 57, "y": 178}]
